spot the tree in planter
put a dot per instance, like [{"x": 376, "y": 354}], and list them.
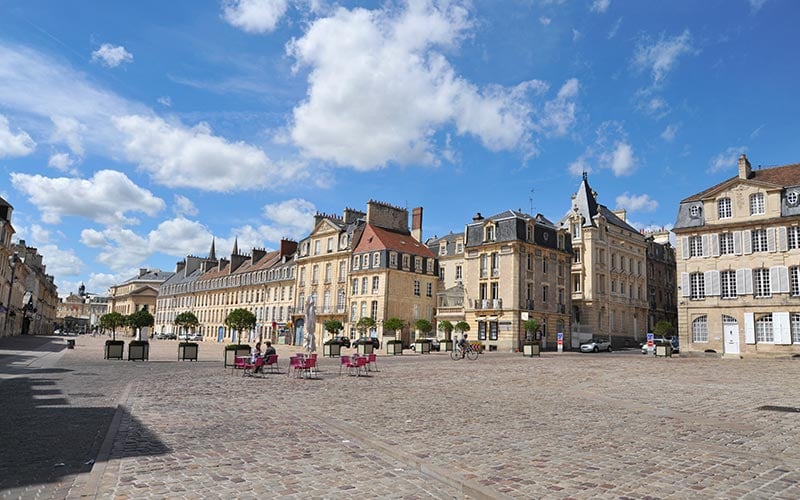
[
  {"x": 333, "y": 326},
  {"x": 364, "y": 325},
  {"x": 663, "y": 329},
  {"x": 240, "y": 320},
  {"x": 461, "y": 327},
  {"x": 112, "y": 321},
  {"x": 446, "y": 327},
  {"x": 186, "y": 319},
  {"x": 140, "y": 319},
  {"x": 392, "y": 325},
  {"x": 423, "y": 326},
  {"x": 531, "y": 326}
]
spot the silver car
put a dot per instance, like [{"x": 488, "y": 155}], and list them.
[{"x": 596, "y": 345}]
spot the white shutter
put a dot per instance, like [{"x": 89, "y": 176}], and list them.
[
  {"x": 715, "y": 288},
  {"x": 783, "y": 274},
  {"x": 781, "y": 329},
  {"x": 685, "y": 292},
  {"x": 707, "y": 283},
  {"x": 771, "y": 239},
  {"x": 749, "y": 328},
  {"x": 737, "y": 242},
  {"x": 783, "y": 240},
  {"x": 747, "y": 240},
  {"x": 715, "y": 245},
  {"x": 685, "y": 247},
  {"x": 774, "y": 280},
  {"x": 706, "y": 245},
  {"x": 744, "y": 281}
]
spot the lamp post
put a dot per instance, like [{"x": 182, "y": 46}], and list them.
[{"x": 12, "y": 262}]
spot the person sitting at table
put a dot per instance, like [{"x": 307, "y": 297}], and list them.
[
  {"x": 255, "y": 353},
  {"x": 269, "y": 350}
]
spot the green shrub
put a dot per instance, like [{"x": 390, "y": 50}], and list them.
[
  {"x": 187, "y": 344},
  {"x": 233, "y": 347},
  {"x": 115, "y": 342},
  {"x": 139, "y": 343}
]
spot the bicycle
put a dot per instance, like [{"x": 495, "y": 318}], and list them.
[{"x": 470, "y": 352}]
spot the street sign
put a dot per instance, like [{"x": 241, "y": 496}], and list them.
[
  {"x": 650, "y": 341},
  {"x": 560, "y": 341}
]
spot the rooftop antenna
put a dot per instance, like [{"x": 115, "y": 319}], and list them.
[{"x": 531, "y": 200}]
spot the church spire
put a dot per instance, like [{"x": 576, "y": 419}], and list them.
[
  {"x": 212, "y": 254},
  {"x": 235, "y": 246}
]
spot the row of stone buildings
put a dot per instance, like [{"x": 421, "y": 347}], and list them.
[{"x": 28, "y": 295}]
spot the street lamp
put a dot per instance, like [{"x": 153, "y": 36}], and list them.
[{"x": 12, "y": 262}]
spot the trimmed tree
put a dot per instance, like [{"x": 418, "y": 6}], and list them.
[
  {"x": 424, "y": 326},
  {"x": 240, "y": 320},
  {"x": 531, "y": 326},
  {"x": 664, "y": 329},
  {"x": 461, "y": 327},
  {"x": 364, "y": 325},
  {"x": 186, "y": 319},
  {"x": 393, "y": 324},
  {"x": 140, "y": 319},
  {"x": 332, "y": 326},
  {"x": 446, "y": 327},
  {"x": 112, "y": 321}
]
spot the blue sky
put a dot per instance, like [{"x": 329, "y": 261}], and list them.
[{"x": 133, "y": 132}]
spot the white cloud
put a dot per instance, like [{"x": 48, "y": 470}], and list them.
[
  {"x": 611, "y": 150},
  {"x": 600, "y": 5},
  {"x": 178, "y": 156},
  {"x": 545, "y": 21},
  {"x": 179, "y": 237},
  {"x": 725, "y": 160},
  {"x": 576, "y": 35},
  {"x": 69, "y": 131},
  {"x": 93, "y": 238},
  {"x": 755, "y": 5},
  {"x": 101, "y": 282},
  {"x": 60, "y": 262},
  {"x": 620, "y": 160},
  {"x": 165, "y": 101},
  {"x": 124, "y": 248},
  {"x": 579, "y": 166},
  {"x": 254, "y": 16},
  {"x": 184, "y": 206},
  {"x": 636, "y": 203},
  {"x": 670, "y": 132},
  {"x": 61, "y": 161},
  {"x": 112, "y": 56},
  {"x": 381, "y": 74},
  {"x": 661, "y": 56},
  {"x": 14, "y": 144},
  {"x": 104, "y": 198},
  {"x": 614, "y": 29},
  {"x": 295, "y": 216},
  {"x": 559, "y": 114}
]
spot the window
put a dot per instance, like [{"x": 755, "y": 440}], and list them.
[
  {"x": 340, "y": 301},
  {"x": 544, "y": 265},
  {"x": 416, "y": 288},
  {"x": 365, "y": 261},
  {"x": 302, "y": 276},
  {"x": 576, "y": 230},
  {"x": 489, "y": 233},
  {"x": 443, "y": 248},
  {"x": 342, "y": 270},
  {"x": 757, "y": 206},
  {"x": 328, "y": 272},
  {"x": 459, "y": 247},
  {"x": 577, "y": 256},
  {"x": 315, "y": 274},
  {"x": 761, "y": 283},
  {"x": 726, "y": 244},
  {"x": 794, "y": 281},
  {"x": 728, "y": 283},
  {"x": 759, "y": 239},
  {"x": 316, "y": 247},
  {"x": 544, "y": 293},
  {"x": 613, "y": 286},
  {"x": 393, "y": 259},
  {"x": 795, "y": 327},
  {"x": 700, "y": 329},
  {"x": 529, "y": 232},
  {"x": 353, "y": 312},
  {"x": 495, "y": 290},
  {"x": 364, "y": 283},
  {"x": 376, "y": 259},
  {"x": 495, "y": 264},
  {"x": 576, "y": 282},
  {"x": 330, "y": 245},
  {"x": 724, "y": 208},
  {"x": 694, "y": 210},
  {"x": 356, "y": 262},
  {"x": 792, "y": 198},
  {"x": 406, "y": 261},
  {"x": 764, "y": 332},
  {"x": 695, "y": 246},
  {"x": 429, "y": 289},
  {"x": 793, "y": 234},
  {"x": 326, "y": 301},
  {"x": 355, "y": 286},
  {"x": 484, "y": 265},
  {"x": 376, "y": 281},
  {"x": 374, "y": 309},
  {"x": 697, "y": 286},
  {"x": 482, "y": 291},
  {"x": 613, "y": 260},
  {"x": 364, "y": 309},
  {"x": 458, "y": 272}
]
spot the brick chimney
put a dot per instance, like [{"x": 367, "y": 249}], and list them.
[
  {"x": 416, "y": 223},
  {"x": 288, "y": 247},
  {"x": 744, "y": 168}
]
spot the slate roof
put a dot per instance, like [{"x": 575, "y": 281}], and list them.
[
  {"x": 587, "y": 206},
  {"x": 786, "y": 175}
]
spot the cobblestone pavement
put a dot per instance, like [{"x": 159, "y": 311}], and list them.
[{"x": 570, "y": 425}]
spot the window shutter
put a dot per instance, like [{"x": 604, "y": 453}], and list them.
[
  {"x": 774, "y": 280},
  {"x": 783, "y": 240},
  {"x": 744, "y": 281},
  {"x": 685, "y": 292},
  {"x": 715, "y": 245},
  {"x": 707, "y": 283},
  {"x": 747, "y": 240},
  {"x": 737, "y": 242},
  {"x": 783, "y": 274},
  {"x": 749, "y": 328},
  {"x": 781, "y": 328},
  {"x": 685, "y": 247},
  {"x": 706, "y": 245},
  {"x": 771, "y": 239},
  {"x": 715, "y": 288}
]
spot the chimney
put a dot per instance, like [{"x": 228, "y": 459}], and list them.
[
  {"x": 142, "y": 271},
  {"x": 288, "y": 247},
  {"x": 744, "y": 168},
  {"x": 621, "y": 213},
  {"x": 180, "y": 266},
  {"x": 416, "y": 223},
  {"x": 478, "y": 217},
  {"x": 258, "y": 254}
]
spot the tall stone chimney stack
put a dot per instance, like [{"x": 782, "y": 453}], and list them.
[
  {"x": 745, "y": 172},
  {"x": 416, "y": 223}
]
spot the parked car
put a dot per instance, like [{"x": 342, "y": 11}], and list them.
[
  {"x": 596, "y": 345},
  {"x": 196, "y": 337},
  {"x": 366, "y": 340},
  {"x": 165, "y": 336},
  {"x": 661, "y": 341},
  {"x": 342, "y": 341},
  {"x": 434, "y": 344}
]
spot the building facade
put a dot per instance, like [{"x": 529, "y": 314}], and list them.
[
  {"x": 609, "y": 277},
  {"x": 661, "y": 280},
  {"x": 739, "y": 265},
  {"x": 138, "y": 292}
]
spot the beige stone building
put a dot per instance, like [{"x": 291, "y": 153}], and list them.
[
  {"x": 739, "y": 265},
  {"x": 516, "y": 267},
  {"x": 138, "y": 292},
  {"x": 609, "y": 277},
  {"x": 449, "y": 251}
]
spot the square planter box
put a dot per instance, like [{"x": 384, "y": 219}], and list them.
[
  {"x": 331, "y": 350},
  {"x": 530, "y": 350},
  {"x": 188, "y": 352},
  {"x": 231, "y": 354},
  {"x": 114, "y": 350},
  {"x": 365, "y": 349},
  {"x": 446, "y": 345},
  {"x": 422, "y": 347},
  {"x": 394, "y": 348},
  {"x": 138, "y": 351}
]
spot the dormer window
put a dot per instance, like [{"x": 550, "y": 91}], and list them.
[
  {"x": 792, "y": 197},
  {"x": 694, "y": 211},
  {"x": 443, "y": 248},
  {"x": 489, "y": 233}
]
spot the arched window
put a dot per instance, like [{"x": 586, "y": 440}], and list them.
[
  {"x": 764, "y": 331},
  {"x": 700, "y": 329}
]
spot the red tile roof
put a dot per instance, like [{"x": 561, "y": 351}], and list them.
[{"x": 376, "y": 238}]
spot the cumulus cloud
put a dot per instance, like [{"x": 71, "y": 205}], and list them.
[
  {"x": 636, "y": 203},
  {"x": 106, "y": 198},
  {"x": 60, "y": 262},
  {"x": 755, "y": 5},
  {"x": 14, "y": 144},
  {"x": 183, "y": 206},
  {"x": 725, "y": 160},
  {"x": 545, "y": 21},
  {"x": 93, "y": 238},
  {"x": 670, "y": 132},
  {"x": 112, "y": 56},
  {"x": 165, "y": 101},
  {"x": 600, "y": 5},
  {"x": 620, "y": 160},
  {"x": 382, "y": 74},
  {"x": 559, "y": 113},
  {"x": 661, "y": 56},
  {"x": 611, "y": 150},
  {"x": 61, "y": 161},
  {"x": 179, "y": 156},
  {"x": 254, "y": 16}
]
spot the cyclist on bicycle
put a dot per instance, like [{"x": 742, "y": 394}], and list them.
[{"x": 463, "y": 345}]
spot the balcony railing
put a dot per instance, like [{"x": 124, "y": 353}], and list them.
[{"x": 485, "y": 304}]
